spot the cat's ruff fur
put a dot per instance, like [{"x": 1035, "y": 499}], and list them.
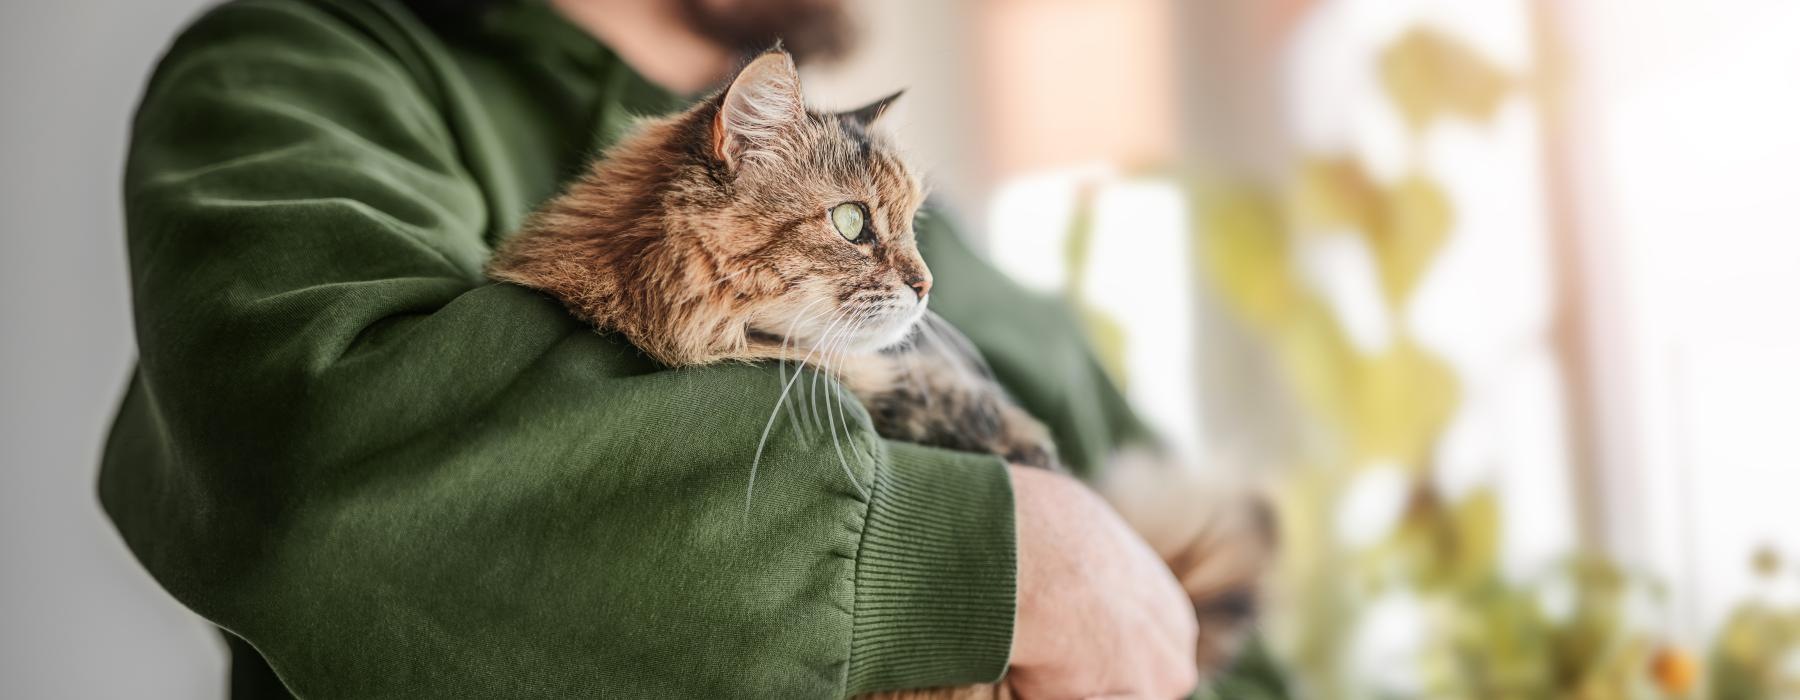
[{"x": 705, "y": 237}]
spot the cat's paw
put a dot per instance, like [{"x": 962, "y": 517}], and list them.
[
  {"x": 1224, "y": 567},
  {"x": 1021, "y": 439}
]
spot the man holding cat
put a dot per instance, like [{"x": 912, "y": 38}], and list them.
[{"x": 386, "y": 477}]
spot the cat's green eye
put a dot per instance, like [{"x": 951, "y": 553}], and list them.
[{"x": 849, "y": 220}]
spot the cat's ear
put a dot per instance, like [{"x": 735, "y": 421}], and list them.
[
  {"x": 761, "y": 107},
  {"x": 865, "y": 116}
]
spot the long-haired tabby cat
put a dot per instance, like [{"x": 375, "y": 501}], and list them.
[{"x": 751, "y": 228}]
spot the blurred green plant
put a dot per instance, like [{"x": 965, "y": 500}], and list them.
[
  {"x": 1757, "y": 653},
  {"x": 1429, "y": 585},
  {"x": 1432, "y": 579}
]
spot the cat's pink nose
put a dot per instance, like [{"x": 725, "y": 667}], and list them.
[{"x": 922, "y": 285}]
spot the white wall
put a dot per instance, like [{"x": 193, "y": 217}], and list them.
[
  {"x": 78, "y": 617},
  {"x": 1690, "y": 117}
]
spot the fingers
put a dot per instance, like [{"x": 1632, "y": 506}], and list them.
[
  {"x": 1168, "y": 618},
  {"x": 1099, "y": 613},
  {"x": 1168, "y": 670}
]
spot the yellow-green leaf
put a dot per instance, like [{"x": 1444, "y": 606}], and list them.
[{"x": 1430, "y": 75}]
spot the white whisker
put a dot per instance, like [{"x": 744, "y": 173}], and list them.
[
  {"x": 843, "y": 416},
  {"x": 787, "y": 338},
  {"x": 910, "y": 358},
  {"x": 810, "y": 403},
  {"x": 831, "y": 423},
  {"x": 942, "y": 328},
  {"x": 935, "y": 341},
  {"x": 763, "y": 442},
  {"x": 844, "y": 336}
]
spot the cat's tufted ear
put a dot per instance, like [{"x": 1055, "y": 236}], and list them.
[
  {"x": 868, "y": 114},
  {"x": 761, "y": 107}
]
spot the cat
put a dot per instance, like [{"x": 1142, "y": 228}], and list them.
[{"x": 749, "y": 227}]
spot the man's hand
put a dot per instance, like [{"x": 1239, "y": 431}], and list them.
[{"x": 1099, "y": 614}]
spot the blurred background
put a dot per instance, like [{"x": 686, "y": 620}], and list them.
[{"x": 1496, "y": 295}]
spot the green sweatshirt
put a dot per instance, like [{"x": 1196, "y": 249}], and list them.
[{"x": 393, "y": 478}]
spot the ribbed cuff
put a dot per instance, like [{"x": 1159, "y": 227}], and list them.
[{"x": 936, "y": 573}]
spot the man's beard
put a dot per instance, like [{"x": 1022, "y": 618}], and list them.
[{"x": 811, "y": 30}]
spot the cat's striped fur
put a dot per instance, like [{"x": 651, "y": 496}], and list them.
[{"x": 706, "y": 236}]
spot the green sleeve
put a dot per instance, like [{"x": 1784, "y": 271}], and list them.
[
  {"x": 1036, "y": 348},
  {"x": 395, "y": 479}
]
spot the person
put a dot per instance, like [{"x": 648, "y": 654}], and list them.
[{"x": 384, "y": 476}]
